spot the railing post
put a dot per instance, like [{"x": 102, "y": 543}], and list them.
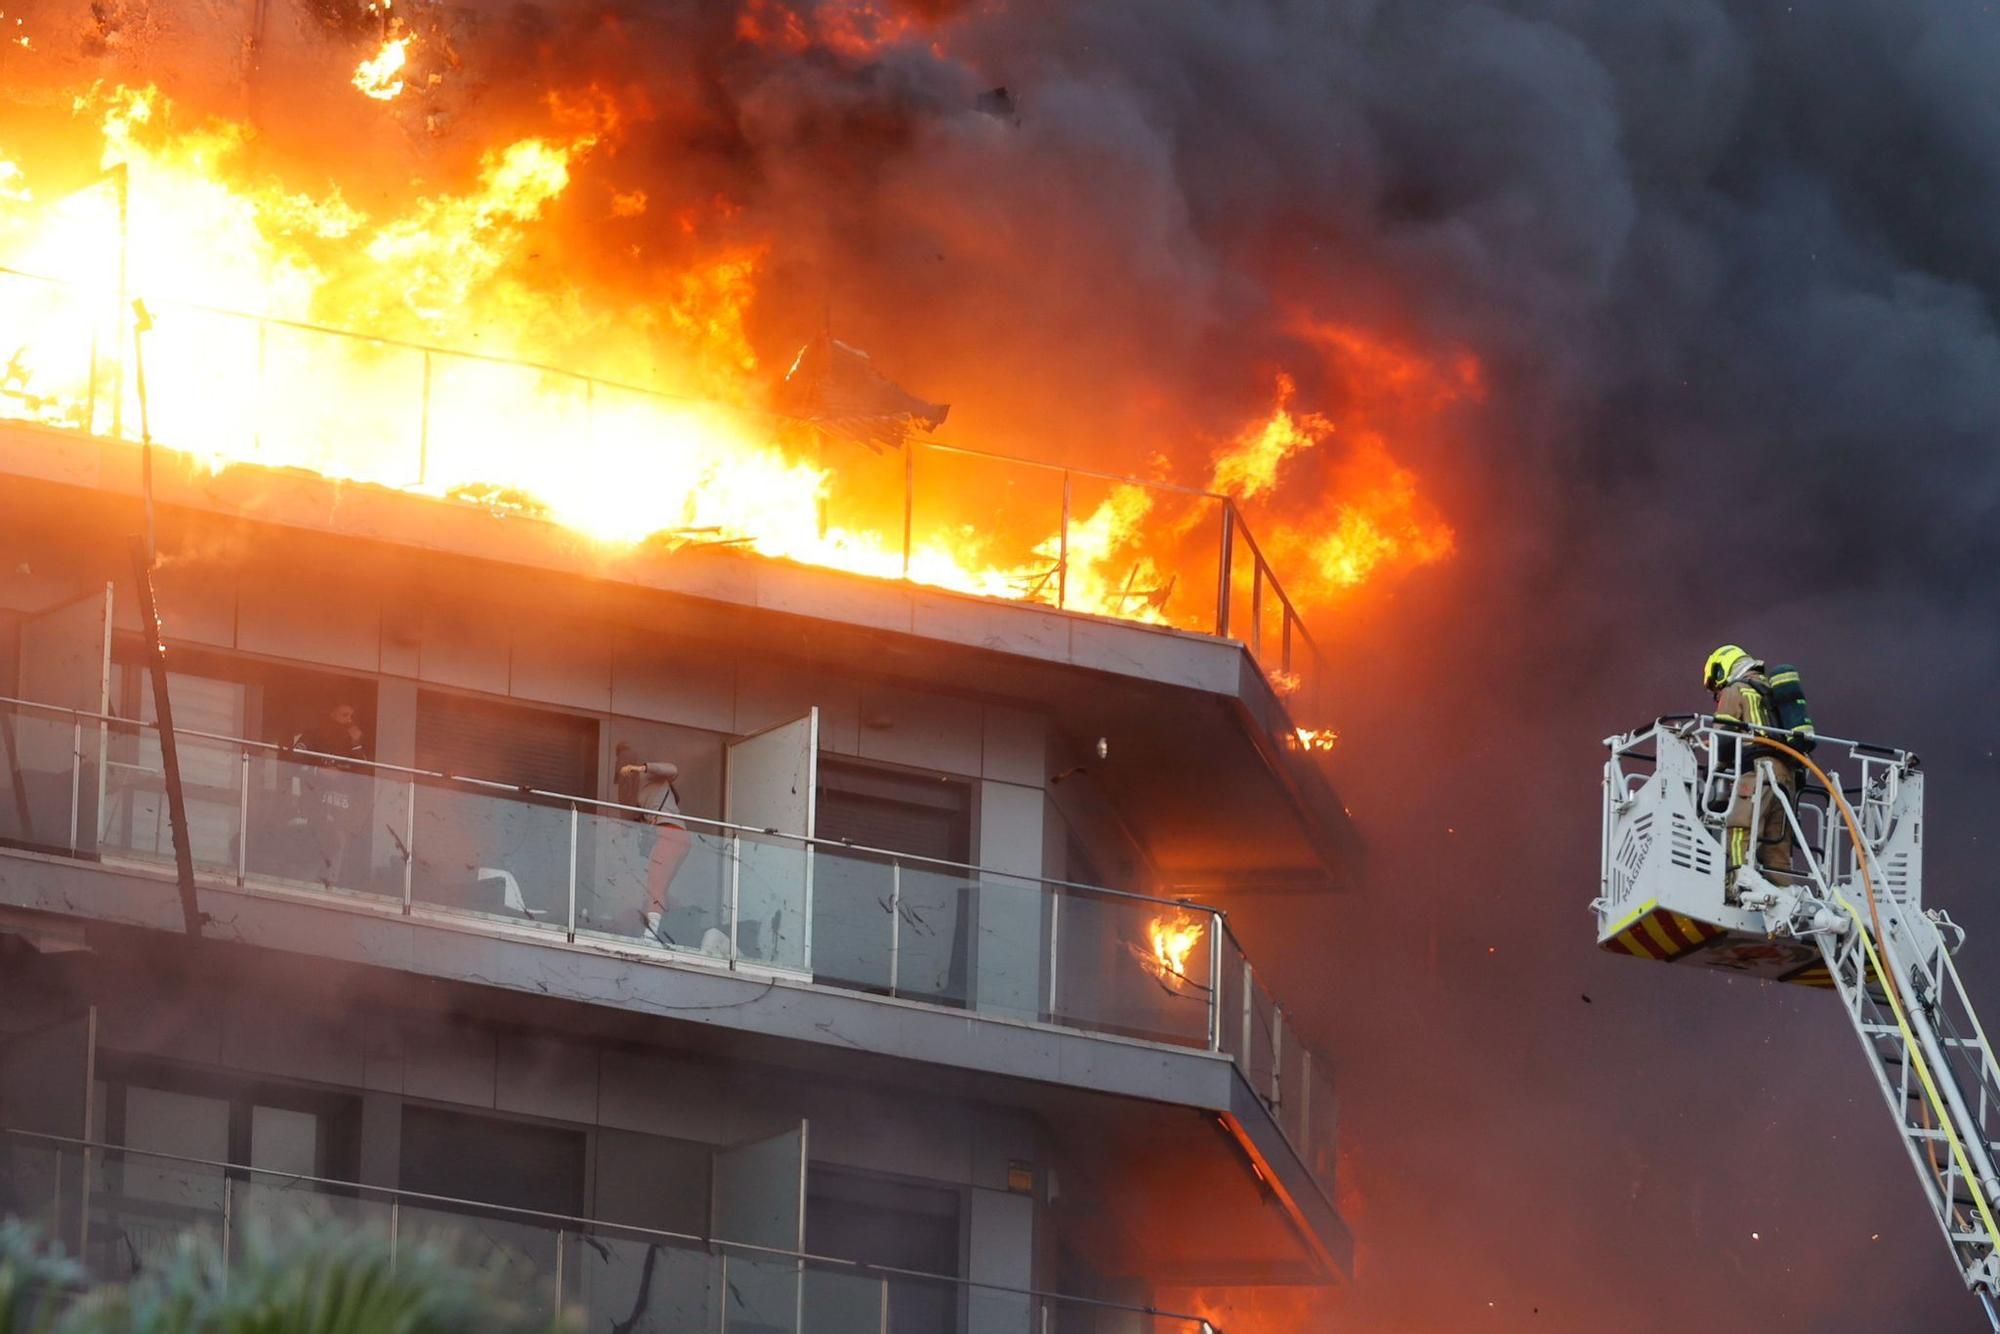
[
  {"x": 1222, "y": 578},
  {"x": 395, "y": 1228},
  {"x": 228, "y": 1208},
  {"x": 722, "y": 1289},
  {"x": 1305, "y": 1103},
  {"x": 75, "y": 779},
  {"x": 895, "y": 925},
  {"x": 1257, "y": 610},
  {"x": 573, "y": 819},
  {"x": 882, "y": 1322},
  {"x": 1277, "y": 1056},
  {"x": 1055, "y": 957},
  {"x": 243, "y": 816},
  {"x": 409, "y": 843},
  {"x": 561, "y": 1235},
  {"x": 1062, "y": 548},
  {"x": 1215, "y": 981},
  {"x": 735, "y": 893}
]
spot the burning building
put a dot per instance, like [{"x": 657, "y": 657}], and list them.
[{"x": 645, "y": 796}]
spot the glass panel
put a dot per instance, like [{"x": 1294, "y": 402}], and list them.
[
  {"x": 525, "y": 1251},
  {"x": 1143, "y": 553},
  {"x": 283, "y": 1140},
  {"x": 640, "y": 1286},
  {"x": 761, "y": 1295},
  {"x": 140, "y": 1210},
  {"x": 31, "y": 1182},
  {"x": 1012, "y": 961},
  {"x": 772, "y": 886},
  {"x": 919, "y": 1306},
  {"x": 1230, "y": 995},
  {"x": 265, "y": 1207},
  {"x": 1323, "y": 1145},
  {"x": 855, "y": 925},
  {"x": 37, "y": 774},
  {"x": 348, "y": 407},
  {"x": 477, "y": 851},
  {"x": 841, "y": 1301},
  {"x": 626, "y": 863},
  {"x": 1292, "y": 1080},
  {"x": 49, "y": 338},
  {"x": 333, "y": 827},
  {"x": 1132, "y": 967},
  {"x": 1262, "y": 1036},
  {"x": 932, "y": 928},
  {"x": 983, "y": 525},
  {"x": 135, "y": 817}
]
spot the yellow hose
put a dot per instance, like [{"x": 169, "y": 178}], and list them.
[{"x": 1889, "y": 984}]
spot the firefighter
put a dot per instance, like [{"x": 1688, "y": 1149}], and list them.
[{"x": 1742, "y": 700}]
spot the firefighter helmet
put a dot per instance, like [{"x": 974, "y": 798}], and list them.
[{"x": 1720, "y": 664}]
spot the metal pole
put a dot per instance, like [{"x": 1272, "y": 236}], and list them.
[
  {"x": 895, "y": 925},
  {"x": 228, "y": 1201},
  {"x": 156, "y": 662},
  {"x": 561, "y": 1234},
  {"x": 722, "y": 1294},
  {"x": 1222, "y": 578},
  {"x": 75, "y": 780},
  {"x": 1277, "y": 1056},
  {"x": 243, "y": 817},
  {"x": 1055, "y": 923},
  {"x": 257, "y": 418},
  {"x": 1257, "y": 609},
  {"x": 409, "y": 844},
  {"x": 1305, "y": 1102},
  {"x": 124, "y": 182},
  {"x": 1215, "y": 981},
  {"x": 909, "y": 499},
  {"x": 1062, "y": 550},
  {"x": 735, "y": 889},
  {"x": 572, "y": 870},
  {"x": 395, "y": 1228}
]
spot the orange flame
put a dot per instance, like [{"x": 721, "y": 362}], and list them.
[
  {"x": 1316, "y": 738},
  {"x": 381, "y": 75},
  {"x": 1173, "y": 940}
]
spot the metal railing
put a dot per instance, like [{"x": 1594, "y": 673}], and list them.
[
  {"x": 123, "y": 1210},
  {"x": 411, "y": 416},
  {"x": 574, "y": 869}
]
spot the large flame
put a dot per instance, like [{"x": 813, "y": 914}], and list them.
[{"x": 422, "y": 343}]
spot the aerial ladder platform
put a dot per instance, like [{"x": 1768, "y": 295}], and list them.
[{"x": 1848, "y": 918}]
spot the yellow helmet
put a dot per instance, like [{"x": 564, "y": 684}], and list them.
[{"x": 1720, "y": 664}]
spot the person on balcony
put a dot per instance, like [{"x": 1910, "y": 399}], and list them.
[
  {"x": 648, "y": 786},
  {"x": 1742, "y": 701},
  {"x": 333, "y": 796}
]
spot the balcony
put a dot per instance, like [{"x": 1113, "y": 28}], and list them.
[
  {"x": 380, "y": 843},
  {"x": 122, "y": 1210},
  {"x": 418, "y": 419}
]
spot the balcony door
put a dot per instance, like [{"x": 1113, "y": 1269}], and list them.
[
  {"x": 760, "y": 1200},
  {"x": 53, "y": 774},
  {"x": 770, "y": 782}
]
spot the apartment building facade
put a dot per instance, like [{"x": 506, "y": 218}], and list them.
[{"x": 954, "y": 1018}]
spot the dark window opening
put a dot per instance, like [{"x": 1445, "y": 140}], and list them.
[
  {"x": 487, "y": 1160},
  {"x": 877, "y": 927},
  {"x": 899, "y": 1224}
]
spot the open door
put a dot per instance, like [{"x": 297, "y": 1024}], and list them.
[
  {"x": 45, "y": 1089},
  {"x": 770, "y": 782},
  {"x": 51, "y": 766},
  {"x": 760, "y": 1200}
]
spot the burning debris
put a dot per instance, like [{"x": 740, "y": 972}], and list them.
[
  {"x": 1173, "y": 940},
  {"x": 381, "y": 75}
]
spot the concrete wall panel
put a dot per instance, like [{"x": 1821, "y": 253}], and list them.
[
  {"x": 312, "y": 616},
  {"x": 465, "y": 644},
  {"x": 1015, "y": 749},
  {"x": 656, "y": 1095},
  {"x": 558, "y": 660},
  {"x": 673, "y": 681},
  {"x": 454, "y": 1063},
  {"x": 547, "y": 1077},
  {"x": 922, "y": 730}
]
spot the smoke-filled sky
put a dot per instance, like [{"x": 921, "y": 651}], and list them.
[{"x": 1729, "y": 274}]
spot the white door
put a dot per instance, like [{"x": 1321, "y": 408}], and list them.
[
  {"x": 760, "y": 1200},
  {"x": 54, "y": 772},
  {"x": 770, "y": 782}
]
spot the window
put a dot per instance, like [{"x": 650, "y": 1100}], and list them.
[
  {"x": 538, "y": 748},
  {"x": 922, "y": 815},
  {"x": 896, "y": 1223},
  {"x": 493, "y": 1161}
]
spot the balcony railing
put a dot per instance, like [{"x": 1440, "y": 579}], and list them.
[
  {"x": 136, "y": 1208},
  {"x": 414, "y": 417},
  {"x": 574, "y": 869}
]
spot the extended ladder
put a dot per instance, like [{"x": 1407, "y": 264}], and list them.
[{"x": 1849, "y": 917}]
